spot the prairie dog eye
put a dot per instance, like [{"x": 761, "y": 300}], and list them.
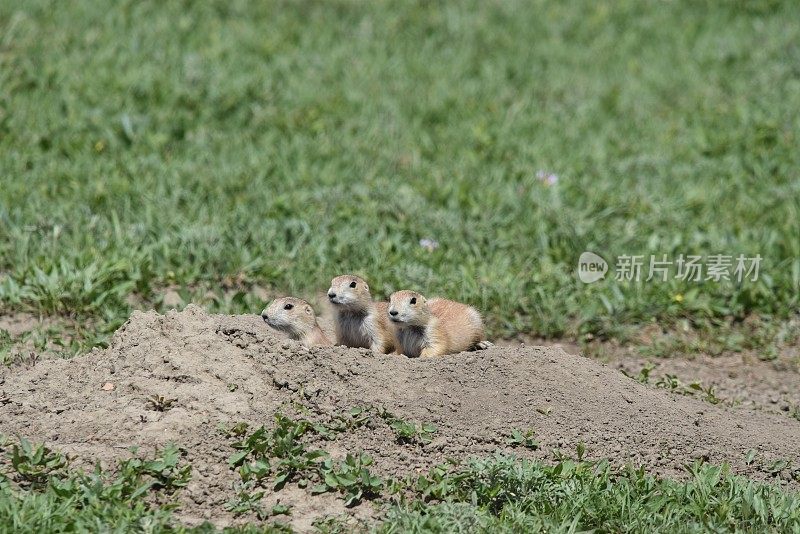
[
  {"x": 352, "y": 284},
  {"x": 413, "y": 300},
  {"x": 288, "y": 306}
]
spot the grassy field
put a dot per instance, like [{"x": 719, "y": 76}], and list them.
[
  {"x": 278, "y": 144},
  {"x": 224, "y": 149}
]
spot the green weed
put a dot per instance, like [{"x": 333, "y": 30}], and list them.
[
  {"x": 518, "y": 438},
  {"x": 351, "y": 477},
  {"x": 281, "y": 455},
  {"x": 505, "y": 495},
  {"x": 34, "y": 464},
  {"x": 235, "y": 162},
  {"x": 40, "y": 493},
  {"x": 408, "y": 432}
]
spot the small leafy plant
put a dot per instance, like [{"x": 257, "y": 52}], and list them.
[
  {"x": 280, "y": 456},
  {"x": 279, "y": 452},
  {"x": 164, "y": 471},
  {"x": 643, "y": 377},
  {"x": 247, "y": 500},
  {"x": 351, "y": 477},
  {"x": 34, "y": 464},
  {"x": 159, "y": 403},
  {"x": 673, "y": 383},
  {"x": 409, "y": 432},
  {"x": 708, "y": 392},
  {"x": 518, "y": 438},
  {"x": 40, "y": 493}
]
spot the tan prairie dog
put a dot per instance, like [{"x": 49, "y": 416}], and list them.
[
  {"x": 295, "y": 317},
  {"x": 434, "y": 327},
  {"x": 360, "y": 321}
]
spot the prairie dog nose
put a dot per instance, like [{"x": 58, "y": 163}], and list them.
[
  {"x": 331, "y": 295},
  {"x": 392, "y": 312}
]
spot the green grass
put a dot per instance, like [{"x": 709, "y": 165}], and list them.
[
  {"x": 502, "y": 495},
  {"x": 39, "y": 492},
  {"x": 149, "y": 145},
  {"x": 223, "y": 145}
]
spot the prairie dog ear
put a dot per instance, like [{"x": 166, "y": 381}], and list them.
[
  {"x": 366, "y": 286},
  {"x": 309, "y": 310}
]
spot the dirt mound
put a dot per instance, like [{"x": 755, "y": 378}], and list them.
[{"x": 227, "y": 369}]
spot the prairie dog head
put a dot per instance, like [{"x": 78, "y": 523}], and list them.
[
  {"x": 349, "y": 292},
  {"x": 290, "y": 315},
  {"x": 408, "y": 308}
]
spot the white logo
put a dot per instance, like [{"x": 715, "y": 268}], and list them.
[{"x": 591, "y": 267}]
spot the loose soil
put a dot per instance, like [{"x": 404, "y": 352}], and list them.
[{"x": 227, "y": 369}]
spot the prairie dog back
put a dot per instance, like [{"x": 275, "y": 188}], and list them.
[
  {"x": 463, "y": 323},
  {"x": 434, "y": 327}
]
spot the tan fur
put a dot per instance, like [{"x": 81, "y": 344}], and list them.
[
  {"x": 434, "y": 327},
  {"x": 298, "y": 322},
  {"x": 360, "y": 322}
]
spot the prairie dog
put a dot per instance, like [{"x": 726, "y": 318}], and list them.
[
  {"x": 296, "y": 318},
  {"x": 434, "y": 327},
  {"x": 360, "y": 322}
]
